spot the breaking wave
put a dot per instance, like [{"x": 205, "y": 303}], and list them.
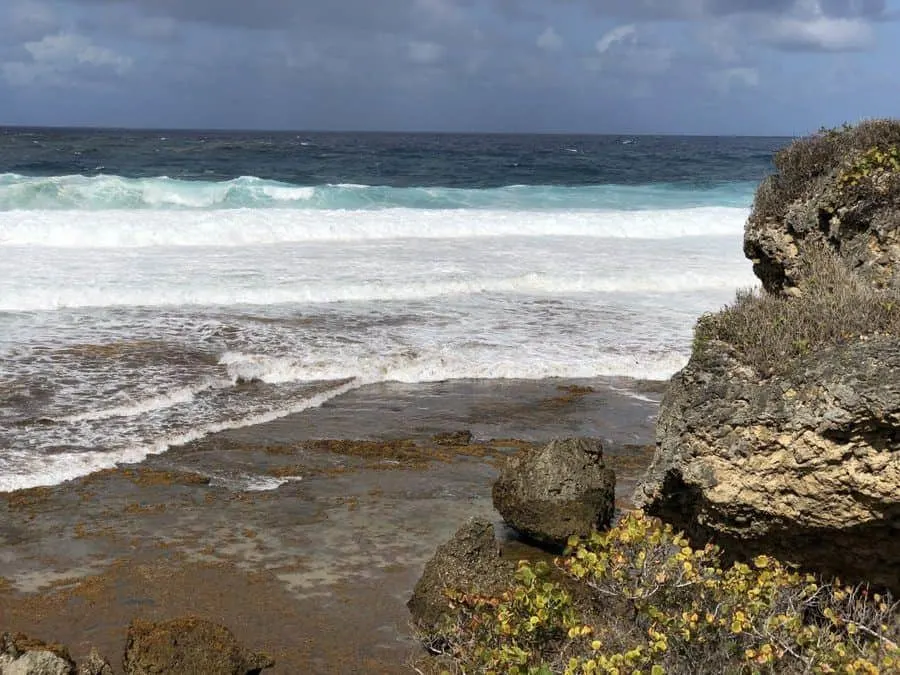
[{"x": 97, "y": 193}]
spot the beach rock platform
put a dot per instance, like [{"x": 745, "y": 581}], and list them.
[{"x": 306, "y": 536}]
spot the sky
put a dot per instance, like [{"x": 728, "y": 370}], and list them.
[{"x": 759, "y": 67}]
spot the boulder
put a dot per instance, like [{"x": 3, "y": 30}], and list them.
[
  {"x": 548, "y": 494},
  {"x": 469, "y": 562},
  {"x": 803, "y": 465},
  {"x": 95, "y": 665},
  {"x": 838, "y": 189},
  {"x": 190, "y": 646},
  {"x": 21, "y": 655}
]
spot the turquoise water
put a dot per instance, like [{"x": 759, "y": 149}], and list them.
[{"x": 113, "y": 192}]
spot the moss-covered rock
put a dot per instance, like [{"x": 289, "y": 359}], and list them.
[{"x": 190, "y": 646}]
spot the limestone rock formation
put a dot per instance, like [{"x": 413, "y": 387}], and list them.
[
  {"x": 840, "y": 189},
  {"x": 549, "y": 494},
  {"x": 468, "y": 562},
  {"x": 804, "y": 465},
  {"x": 21, "y": 655},
  {"x": 190, "y": 646}
]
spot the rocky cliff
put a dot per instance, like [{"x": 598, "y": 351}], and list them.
[{"x": 782, "y": 434}]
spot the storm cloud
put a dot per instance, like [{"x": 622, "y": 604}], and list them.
[{"x": 517, "y": 65}]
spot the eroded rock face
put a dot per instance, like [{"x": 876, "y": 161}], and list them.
[
  {"x": 847, "y": 201},
  {"x": 21, "y": 655},
  {"x": 804, "y": 466},
  {"x": 469, "y": 562},
  {"x": 549, "y": 494},
  {"x": 190, "y": 646}
]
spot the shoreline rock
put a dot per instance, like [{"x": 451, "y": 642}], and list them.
[
  {"x": 562, "y": 489},
  {"x": 470, "y": 562}
]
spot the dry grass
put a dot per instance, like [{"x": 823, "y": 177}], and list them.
[
  {"x": 768, "y": 332},
  {"x": 808, "y": 160}
]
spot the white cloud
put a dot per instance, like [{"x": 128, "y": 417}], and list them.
[
  {"x": 616, "y": 35},
  {"x": 56, "y": 58},
  {"x": 425, "y": 53},
  {"x": 549, "y": 40},
  {"x": 625, "y": 51}
]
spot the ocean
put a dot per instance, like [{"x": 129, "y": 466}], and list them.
[{"x": 156, "y": 287}]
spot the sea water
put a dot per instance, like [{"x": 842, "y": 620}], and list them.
[{"x": 159, "y": 286}]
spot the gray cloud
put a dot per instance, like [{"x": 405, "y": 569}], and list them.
[{"x": 512, "y": 64}]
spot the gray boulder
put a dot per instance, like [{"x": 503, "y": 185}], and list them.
[
  {"x": 190, "y": 646},
  {"x": 551, "y": 493},
  {"x": 21, "y": 655},
  {"x": 469, "y": 562},
  {"x": 804, "y": 465}
]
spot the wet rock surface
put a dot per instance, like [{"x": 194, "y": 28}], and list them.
[{"x": 561, "y": 489}]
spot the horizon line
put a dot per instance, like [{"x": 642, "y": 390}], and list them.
[{"x": 63, "y": 127}]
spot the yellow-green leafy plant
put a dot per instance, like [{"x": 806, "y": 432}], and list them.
[
  {"x": 870, "y": 165},
  {"x": 639, "y": 599}
]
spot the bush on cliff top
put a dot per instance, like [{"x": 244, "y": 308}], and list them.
[
  {"x": 648, "y": 603},
  {"x": 768, "y": 332},
  {"x": 801, "y": 164}
]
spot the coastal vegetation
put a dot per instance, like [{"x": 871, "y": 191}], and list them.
[
  {"x": 863, "y": 151},
  {"x": 639, "y": 599},
  {"x": 768, "y": 332}
]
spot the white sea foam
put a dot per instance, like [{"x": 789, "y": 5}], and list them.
[
  {"x": 22, "y": 469},
  {"x": 179, "y": 396},
  {"x": 68, "y": 297},
  {"x": 456, "y": 364},
  {"x": 246, "y": 227}
]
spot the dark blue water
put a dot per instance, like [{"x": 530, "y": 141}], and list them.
[{"x": 396, "y": 160}]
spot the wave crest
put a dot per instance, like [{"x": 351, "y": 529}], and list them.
[{"x": 95, "y": 193}]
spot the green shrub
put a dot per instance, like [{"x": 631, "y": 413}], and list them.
[
  {"x": 638, "y": 599},
  {"x": 804, "y": 162},
  {"x": 767, "y": 332}
]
